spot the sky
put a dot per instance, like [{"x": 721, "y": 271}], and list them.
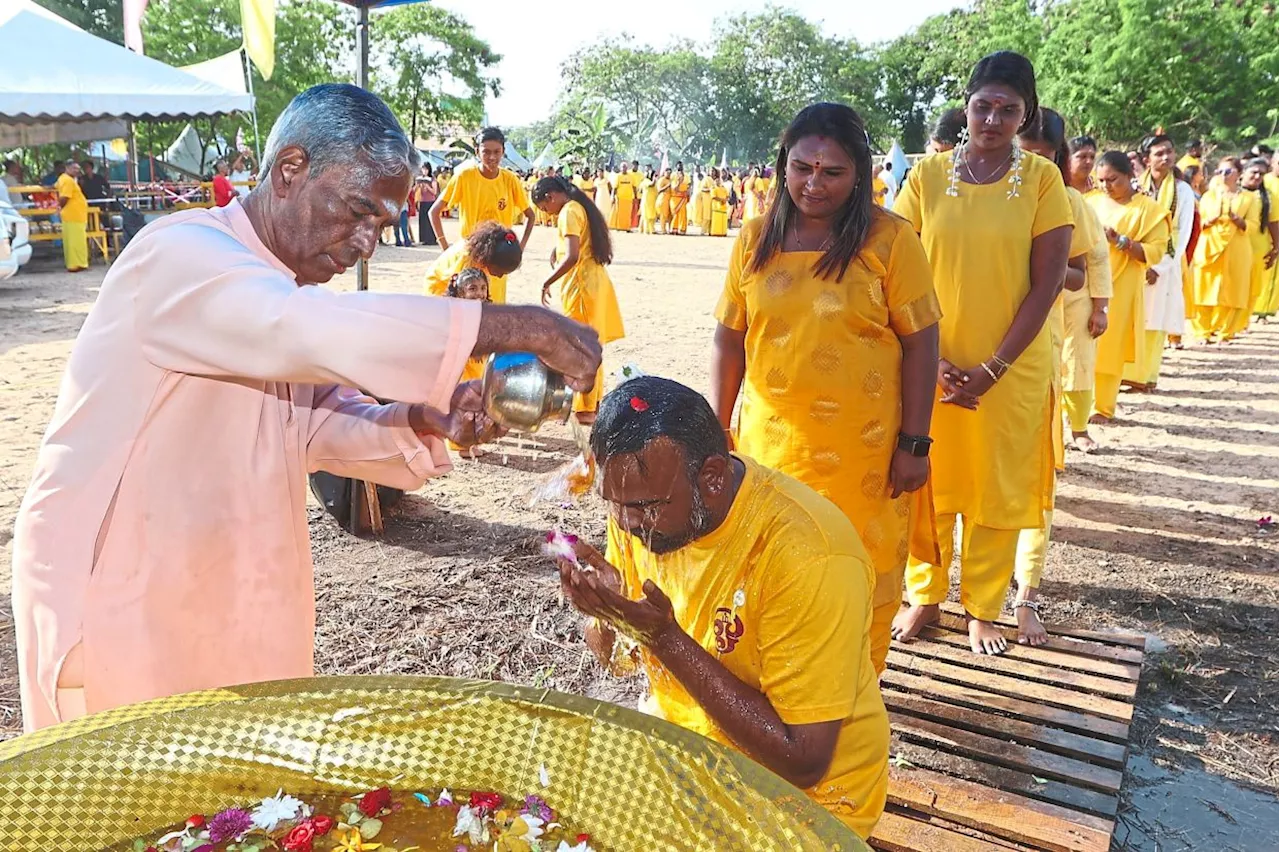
[{"x": 533, "y": 39}]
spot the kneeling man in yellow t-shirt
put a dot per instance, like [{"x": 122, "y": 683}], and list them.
[{"x": 748, "y": 596}]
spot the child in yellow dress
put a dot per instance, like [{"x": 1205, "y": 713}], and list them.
[
  {"x": 469, "y": 283},
  {"x": 491, "y": 248},
  {"x": 586, "y": 292}
]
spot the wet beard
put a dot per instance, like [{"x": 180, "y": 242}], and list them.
[{"x": 700, "y": 523}]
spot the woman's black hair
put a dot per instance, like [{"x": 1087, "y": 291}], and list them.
[
  {"x": 948, "y": 127},
  {"x": 644, "y": 409},
  {"x": 491, "y": 134},
  {"x": 1076, "y": 143},
  {"x": 495, "y": 246},
  {"x": 1050, "y": 128},
  {"x": 1261, "y": 163},
  {"x": 841, "y": 123},
  {"x": 459, "y": 281},
  {"x": 1118, "y": 161},
  {"x": 430, "y": 171},
  {"x": 601, "y": 244},
  {"x": 1007, "y": 69}
]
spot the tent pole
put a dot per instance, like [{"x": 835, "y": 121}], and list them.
[
  {"x": 248, "y": 75},
  {"x": 362, "y": 80},
  {"x": 132, "y": 171}
]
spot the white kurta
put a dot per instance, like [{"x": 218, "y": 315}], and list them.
[
  {"x": 165, "y": 529},
  {"x": 1165, "y": 308}
]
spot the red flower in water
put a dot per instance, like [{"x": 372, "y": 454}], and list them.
[
  {"x": 195, "y": 821},
  {"x": 300, "y": 838},
  {"x": 638, "y": 404},
  {"x": 373, "y": 802},
  {"x": 582, "y": 838},
  {"x": 322, "y": 823},
  {"x": 486, "y": 801}
]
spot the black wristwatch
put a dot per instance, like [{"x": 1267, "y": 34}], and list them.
[{"x": 914, "y": 444}]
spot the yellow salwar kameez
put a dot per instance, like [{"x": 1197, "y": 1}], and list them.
[
  {"x": 1268, "y": 301},
  {"x": 992, "y": 466},
  {"x": 822, "y": 394},
  {"x": 624, "y": 203},
  {"x": 680, "y": 204},
  {"x": 1260, "y": 243},
  {"x": 1144, "y": 221},
  {"x": 1223, "y": 262},
  {"x": 453, "y": 260},
  {"x": 1079, "y": 347},
  {"x": 755, "y": 189},
  {"x": 664, "y": 204},
  {"x": 718, "y": 225},
  {"x": 75, "y": 223},
  {"x": 705, "y": 187},
  {"x": 648, "y": 206},
  {"x": 586, "y": 293},
  {"x": 1033, "y": 543}
]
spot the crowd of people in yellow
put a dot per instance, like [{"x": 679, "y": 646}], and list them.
[{"x": 891, "y": 367}]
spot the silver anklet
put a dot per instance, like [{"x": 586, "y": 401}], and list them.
[{"x": 1034, "y": 606}]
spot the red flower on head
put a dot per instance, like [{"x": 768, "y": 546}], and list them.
[
  {"x": 373, "y": 802},
  {"x": 510, "y": 238},
  {"x": 486, "y": 801},
  {"x": 301, "y": 838},
  {"x": 638, "y": 404},
  {"x": 322, "y": 823}
]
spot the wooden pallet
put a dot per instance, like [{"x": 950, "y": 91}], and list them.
[{"x": 1021, "y": 751}]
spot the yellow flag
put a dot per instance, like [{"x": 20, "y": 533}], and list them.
[{"x": 258, "y": 19}]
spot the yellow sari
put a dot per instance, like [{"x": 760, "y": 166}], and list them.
[
  {"x": 1223, "y": 265},
  {"x": 718, "y": 224}
]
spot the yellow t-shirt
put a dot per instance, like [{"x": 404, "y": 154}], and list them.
[
  {"x": 626, "y": 186},
  {"x": 780, "y": 594},
  {"x": 481, "y": 199},
  {"x": 823, "y": 387},
  {"x": 77, "y": 209},
  {"x": 1188, "y": 160},
  {"x": 993, "y": 465}
]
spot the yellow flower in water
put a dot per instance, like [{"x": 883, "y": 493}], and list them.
[{"x": 349, "y": 840}]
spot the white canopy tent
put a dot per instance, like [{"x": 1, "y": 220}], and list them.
[
  {"x": 93, "y": 87},
  {"x": 513, "y": 159},
  {"x": 547, "y": 158}
]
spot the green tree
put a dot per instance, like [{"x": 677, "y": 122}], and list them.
[
  {"x": 420, "y": 52},
  {"x": 103, "y": 18}
]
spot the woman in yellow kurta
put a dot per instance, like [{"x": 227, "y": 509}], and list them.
[
  {"x": 680, "y": 189},
  {"x": 586, "y": 293},
  {"x": 1269, "y": 302},
  {"x": 648, "y": 203},
  {"x": 1264, "y": 238},
  {"x": 1085, "y": 311},
  {"x": 1223, "y": 261},
  {"x": 491, "y": 248},
  {"x": 1047, "y": 137},
  {"x": 664, "y": 201},
  {"x": 719, "y": 225},
  {"x": 831, "y": 333},
  {"x": 753, "y": 205},
  {"x": 993, "y": 453},
  {"x": 1137, "y": 229},
  {"x": 705, "y": 186},
  {"x": 624, "y": 196}
]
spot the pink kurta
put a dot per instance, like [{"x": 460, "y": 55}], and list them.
[{"x": 165, "y": 528}]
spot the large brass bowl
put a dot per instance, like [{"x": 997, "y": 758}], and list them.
[{"x": 637, "y": 784}]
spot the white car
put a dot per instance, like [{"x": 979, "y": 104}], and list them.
[{"x": 15, "y": 248}]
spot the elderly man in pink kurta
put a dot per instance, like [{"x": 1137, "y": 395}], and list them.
[{"x": 162, "y": 546}]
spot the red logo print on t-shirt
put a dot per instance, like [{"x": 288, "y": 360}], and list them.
[{"x": 728, "y": 629}]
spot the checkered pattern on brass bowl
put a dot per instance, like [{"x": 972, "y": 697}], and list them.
[{"x": 634, "y": 782}]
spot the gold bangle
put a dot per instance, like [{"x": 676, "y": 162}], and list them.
[
  {"x": 994, "y": 377},
  {"x": 1000, "y": 362}
]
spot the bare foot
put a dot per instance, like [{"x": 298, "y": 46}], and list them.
[
  {"x": 472, "y": 452},
  {"x": 586, "y": 418},
  {"x": 1084, "y": 443},
  {"x": 1099, "y": 419},
  {"x": 1030, "y": 628},
  {"x": 908, "y": 623},
  {"x": 985, "y": 638}
]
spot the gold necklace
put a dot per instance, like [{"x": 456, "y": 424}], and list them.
[
  {"x": 795, "y": 236},
  {"x": 968, "y": 168}
]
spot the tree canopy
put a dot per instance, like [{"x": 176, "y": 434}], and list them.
[{"x": 1117, "y": 69}]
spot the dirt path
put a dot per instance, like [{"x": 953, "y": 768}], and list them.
[{"x": 1157, "y": 533}]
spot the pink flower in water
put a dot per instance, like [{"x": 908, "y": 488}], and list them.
[{"x": 229, "y": 825}]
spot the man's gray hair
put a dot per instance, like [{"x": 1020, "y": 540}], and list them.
[{"x": 335, "y": 123}]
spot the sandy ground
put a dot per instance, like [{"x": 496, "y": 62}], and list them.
[{"x": 1156, "y": 534}]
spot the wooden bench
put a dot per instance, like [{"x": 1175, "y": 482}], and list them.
[{"x": 1021, "y": 751}]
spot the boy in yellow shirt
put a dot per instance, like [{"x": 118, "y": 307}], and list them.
[{"x": 747, "y": 593}]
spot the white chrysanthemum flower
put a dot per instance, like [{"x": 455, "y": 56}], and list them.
[
  {"x": 472, "y": 824},
  {"x": 275, "y": 810}
]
